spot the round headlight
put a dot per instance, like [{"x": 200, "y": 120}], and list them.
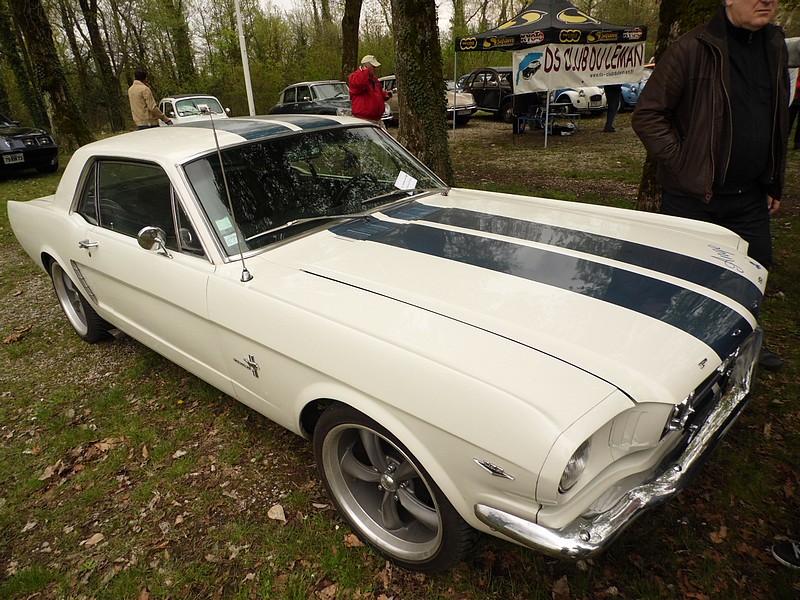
[{"x": 575, "y": 466}]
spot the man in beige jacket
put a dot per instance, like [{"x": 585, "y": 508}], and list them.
[{"x": 144, "y": 111}]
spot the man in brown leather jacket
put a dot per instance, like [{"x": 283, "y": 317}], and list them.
[{"x": 714, "y": 117}]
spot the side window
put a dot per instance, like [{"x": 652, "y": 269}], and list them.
[
  {"x": 303, "y": 93},
  {"x": 167, "y": 109},
  {"x": 491, "y": 80},
  {"x": 289, "y": 95},
  {"x": 125, "y": 197},
  {"x": 87, "y": 203}
]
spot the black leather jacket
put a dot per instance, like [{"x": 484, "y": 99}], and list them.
[{"x": 683, "y": 115}]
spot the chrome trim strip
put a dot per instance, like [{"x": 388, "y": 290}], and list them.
[{"x": 585, "y": 537}]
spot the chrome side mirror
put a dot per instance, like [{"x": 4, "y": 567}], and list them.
[{"x": 153, "y": 239}]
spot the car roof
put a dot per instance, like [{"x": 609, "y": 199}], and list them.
[
  {"x": 178, "y": 143},
  {"x": 182, "y": 96},
  {"x": 314, "y": 82},
  {"x": 498, "y": 69}
]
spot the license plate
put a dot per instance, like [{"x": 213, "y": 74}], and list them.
[
  {"x": 10, "y": 159},
  {"x": 594, "y": 103},
  {"x": 463, "y": 111}
]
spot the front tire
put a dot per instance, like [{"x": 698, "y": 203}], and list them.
[
  {"x": 89, "y": 326},
  {"x": 506, "y": 112},
  {"x": 385, "y": 495}
]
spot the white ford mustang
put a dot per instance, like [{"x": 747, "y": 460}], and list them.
[{"x": 463, "y": 361}]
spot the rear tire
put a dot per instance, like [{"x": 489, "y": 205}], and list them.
[
  {"x": 385, "y": 495},
  {"x": 89, "y": 326}
]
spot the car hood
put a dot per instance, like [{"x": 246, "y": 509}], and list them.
[
  {"x": 17, "y": 131},
  {"x": 644, "y": 302},
  {"x": 343, "y": 102}
]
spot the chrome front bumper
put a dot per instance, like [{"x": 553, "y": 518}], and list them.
[{"x": 585, "y": 537}]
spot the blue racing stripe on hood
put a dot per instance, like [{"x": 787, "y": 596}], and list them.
[
  {"x": 714, "y": 277},
  {"x": 713, "y": 323}
]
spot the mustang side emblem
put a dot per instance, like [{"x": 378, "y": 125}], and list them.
[{"x": 249, "y": 363}]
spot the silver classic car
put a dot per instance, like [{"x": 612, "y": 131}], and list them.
[{"x": 462, "y": 361}]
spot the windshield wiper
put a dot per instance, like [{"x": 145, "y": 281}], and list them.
[
  {"x": 358, "y": 215},
  {"x": 304, "y": 220},
  {"x": 409, "y": 193}
]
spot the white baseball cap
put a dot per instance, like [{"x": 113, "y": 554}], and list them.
[{"x": 369, "y": 58}]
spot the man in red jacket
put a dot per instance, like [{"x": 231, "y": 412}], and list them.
[{"x": 367, "y": 97}]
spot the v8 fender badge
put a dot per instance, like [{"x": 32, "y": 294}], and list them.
[{"x": 249, "y": 363}]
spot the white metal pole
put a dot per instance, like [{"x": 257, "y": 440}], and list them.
[
  {"x": 245, "y": 63},
  {"x": 455, "y": 89}
]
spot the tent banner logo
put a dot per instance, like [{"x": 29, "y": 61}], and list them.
[
  {"x": 497, "y": 42},
  {"x": 577, "y": 65},
  {"x": 602, "y": 36},
  {"x": 531, "y": 39},
  {"x": 524, "y": 18},
  {"x": 633, "y": 34},
  {"x": 573, "y": 16},
  {"x": 468, "y": 43},
  {"x": 569, "y": 35}
]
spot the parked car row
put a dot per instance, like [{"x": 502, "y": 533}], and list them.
[
  {"x": 319, "y": 98},
  {"x": 460, "y": 105}
]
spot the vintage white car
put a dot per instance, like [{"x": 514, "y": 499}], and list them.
[
  {"x": 582, "y": 100},
  {"x": 463, "y": 361}
]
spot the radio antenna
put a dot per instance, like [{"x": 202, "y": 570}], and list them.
[{"x": 204, "y": 110}]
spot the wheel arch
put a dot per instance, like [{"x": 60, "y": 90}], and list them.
[
  {"x": 455, "y": 471},
  {"x": 403, "y": 430}
]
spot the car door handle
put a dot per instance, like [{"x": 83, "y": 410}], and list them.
[{"x": 87, "y": 244}]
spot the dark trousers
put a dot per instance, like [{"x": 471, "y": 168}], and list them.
[
  {"x": 614, "y": 99},
  {"x": 746, "y": 214}
]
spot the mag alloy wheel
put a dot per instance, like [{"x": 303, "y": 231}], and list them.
[
  {"x": 385, "y": 495},
  {"x": 83, "y": 318}
]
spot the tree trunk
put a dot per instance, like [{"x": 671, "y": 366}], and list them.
[
  {"x": 11, "y": 48},
  {"x": 178, "y": 29},
  {"x": 108, "y": 81},
  {"x": 350, "y": 20},
  {"x": 422, "y": 105},
  {"x": 68, "y": 123},
  {"x": 676, "y": 18},
  {"x": 69, "y": 22},
  {"x": 5, "y": 105}
]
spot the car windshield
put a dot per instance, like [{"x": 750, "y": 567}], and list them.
[
  {"x": 324, "y": 91},
  {"x": 188, "y": 107},
  {"x": 277, "y": 185}
]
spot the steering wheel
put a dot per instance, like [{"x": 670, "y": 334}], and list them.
[{"x": 355, "y": 180}]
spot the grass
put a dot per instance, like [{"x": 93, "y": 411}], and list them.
[{"x": 196, "y": 525}]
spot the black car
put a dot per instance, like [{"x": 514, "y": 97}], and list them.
[
  {"x": 315, "y": 97},
  {"x": 26, "y": 148},
  {"x": 493, "y": 90}
]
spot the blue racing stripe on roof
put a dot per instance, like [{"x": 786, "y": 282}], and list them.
[
  {"x": 714, "y": 277},
  {"x": 246, "y": 128},
  {"x": 713, "y": 323},
  {"x": 306, "y": 121}
]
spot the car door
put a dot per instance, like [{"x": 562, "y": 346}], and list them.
[
  {"x": 157, "y": 297},
  {"x": 305, "y": 102},
  {"x": 492, "y": 92}
]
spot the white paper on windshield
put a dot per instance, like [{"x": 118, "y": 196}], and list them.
[{"x": 405, "y": 181}]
